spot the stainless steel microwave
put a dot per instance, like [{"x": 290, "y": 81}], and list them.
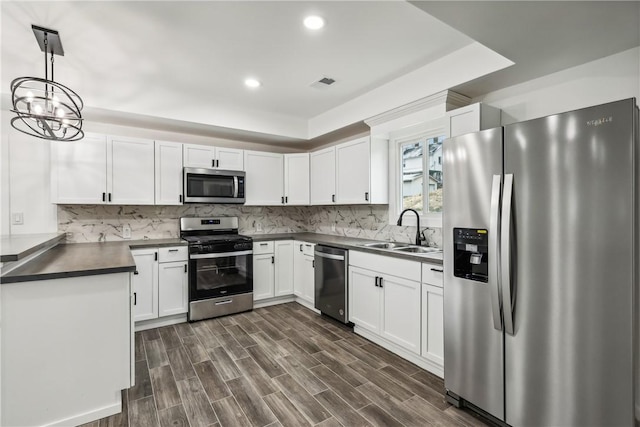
[{"x": 213, "y": 186}]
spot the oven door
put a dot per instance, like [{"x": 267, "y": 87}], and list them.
[
  {"x": 213, "y": 186},
  {"x": 220, "y": 274}
]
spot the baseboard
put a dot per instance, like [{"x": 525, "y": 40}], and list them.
[
  {"x": 307, "y": 304},
  {"x": 272, "y": 301},
  {"x": 161, "y": 321},
  {"x": 94, "y": 415},
  {"x": 405, "y": 354}
]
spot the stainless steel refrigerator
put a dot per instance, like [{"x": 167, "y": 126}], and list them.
[{"x": 540, "y": 257}]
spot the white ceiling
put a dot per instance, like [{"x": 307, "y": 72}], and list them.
[{"x": 186, "y": 61}]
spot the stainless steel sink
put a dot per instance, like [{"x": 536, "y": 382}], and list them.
[
  {"x": 418, "y": 250},
  {"x": 385, "y": 245}
]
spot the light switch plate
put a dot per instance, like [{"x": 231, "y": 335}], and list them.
[
  {"x": 17, "y": 218},
  {"x": 258, "y": 226}
]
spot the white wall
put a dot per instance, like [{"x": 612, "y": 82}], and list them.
[{"x": 604, "y": 80}]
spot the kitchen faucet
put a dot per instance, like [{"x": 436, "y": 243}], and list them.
[{"x": 418, "y": 238}]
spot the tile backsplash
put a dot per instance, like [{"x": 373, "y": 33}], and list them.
[{"x": 93, "y": 223}]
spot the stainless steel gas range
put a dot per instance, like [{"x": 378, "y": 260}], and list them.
[{"x": 220, "y": 267}]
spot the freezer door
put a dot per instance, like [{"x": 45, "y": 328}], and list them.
[
  {"x": 568, "y": 357},
  {"x": 473, "y": 342}
]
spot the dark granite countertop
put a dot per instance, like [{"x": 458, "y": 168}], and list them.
[
  {"x": 84, "y": 259},
  {"x": 19, "y": 246},
  {"x": 351, "y": 243}
]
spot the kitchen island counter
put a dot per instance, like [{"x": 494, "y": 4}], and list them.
[{"x": 84, "y": 259}]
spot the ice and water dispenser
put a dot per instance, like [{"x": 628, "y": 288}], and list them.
[{"x": 471, "y": 254}]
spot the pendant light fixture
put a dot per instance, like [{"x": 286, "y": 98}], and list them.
[{"x": 46, "y": 109}]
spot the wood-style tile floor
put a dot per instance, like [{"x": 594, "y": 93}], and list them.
[{"x": 277, "y": 366}]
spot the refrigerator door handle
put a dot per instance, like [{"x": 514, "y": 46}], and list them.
[
  {"x": 494, "y": 283},
  {"x": 505, "y": 249}
]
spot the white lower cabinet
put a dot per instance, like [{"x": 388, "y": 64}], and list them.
[
  {"x": 263, "y": 270},
  {"x": 160, "y": 288},
  {"x": 398, "y": 304},
  {"x": 432, "y": 313},
  {"x": 145, "y": 284},
  {"x": 400, "y": 321},
  {"x": 283, "y": 272},
  {"x": 304, "y": 272},
  {"x": 173, "y": 291},
  {"x": 272, "y": 269},
  {"x": 384, "y": 303}
]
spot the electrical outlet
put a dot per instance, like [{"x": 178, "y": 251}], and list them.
[
  {"x": 333, "y": 226},
  {"x": 258, "y": 226},
  {"x": 17, "y": 218},
  {"x": 126, "y": 232}
]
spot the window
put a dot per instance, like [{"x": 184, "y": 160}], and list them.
[{"x": 421, "y": 166}]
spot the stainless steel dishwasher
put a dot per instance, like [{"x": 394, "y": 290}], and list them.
[{"x": 331, "y": 288}]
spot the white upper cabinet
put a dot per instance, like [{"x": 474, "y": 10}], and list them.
[
  {"x": 204, "y": 156},
  {"x": 296, "y": 179},
  {"x": 472, "y": 118},
  {"x": 102, "y": 169},
  {"x": 229, "y": 159},
  {"x": 264, "y": 179},
  {"x": 352, "y": 168},
  {"x": 168, "y": 173},
  {"x": 323, "y": 176},
  {"x": 354, "y": 172},
  {"x": 79, "y": 170},
  {"x": 130, "y": 171}
]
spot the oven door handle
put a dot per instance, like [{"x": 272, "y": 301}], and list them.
[{"x": 220, "y": 255}]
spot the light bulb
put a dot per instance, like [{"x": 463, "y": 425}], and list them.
[
  {"x": 37, "y": 109},
  {"x": 65, "y": 123},
  {"x": 313, "y": 22},
  {"x": 29, "y": 96},
  {"x": 252, "y": 83},
  {"x": 60, "y": 112},
  {"x": 55, "y": 101}
]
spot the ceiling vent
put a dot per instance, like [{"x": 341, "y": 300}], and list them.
[{"x": 323, "y": 83}]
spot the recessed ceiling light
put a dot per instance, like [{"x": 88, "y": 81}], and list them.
[
  {"x": 313, "y": 22},
  {"x": 252, "y": 83}
]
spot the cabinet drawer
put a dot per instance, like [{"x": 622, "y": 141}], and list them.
[
  {"x": 307, "y": 248},
  {"x": 177, "y": 253},
  {"x": 386, "y": 264},
  {"x": 262, "y": 248},
  {"x": 432, "y": 274}
]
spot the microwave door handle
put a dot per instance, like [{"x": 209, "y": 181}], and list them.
[{"x": 235, "y": 187}]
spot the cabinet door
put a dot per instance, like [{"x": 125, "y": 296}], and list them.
[
  {"x": 79, "y": 170},
  {"x": 433, "y": 323},
  {"x": 401, "y": 312},
  {"x": 308, "y": 280},
  {"x": 198, "y": 156},
  {"x": 229, "y": 159},
  {"x": 364, "y": 299},
  {"x": 172, "y": 288},
  {"x": 296, "y": 179},
  {"x": 352, "y": 166},
  {"x": 299, "y": 270},
  {"x": 323, "y": 176},
  {"x": 283, "y": 268},
  {"x": 168, "y": 173},
  {"x": 130, "y": 171},
  {"x": 145, "y": 284},
  {"x": 264, "y": 179},
  {"x": 263, "y": 274}
]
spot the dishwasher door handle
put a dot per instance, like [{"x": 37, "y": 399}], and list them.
[{"x": 330, "y": 256}]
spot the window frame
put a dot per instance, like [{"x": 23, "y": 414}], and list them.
[{"x": 419, "y": 132}]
